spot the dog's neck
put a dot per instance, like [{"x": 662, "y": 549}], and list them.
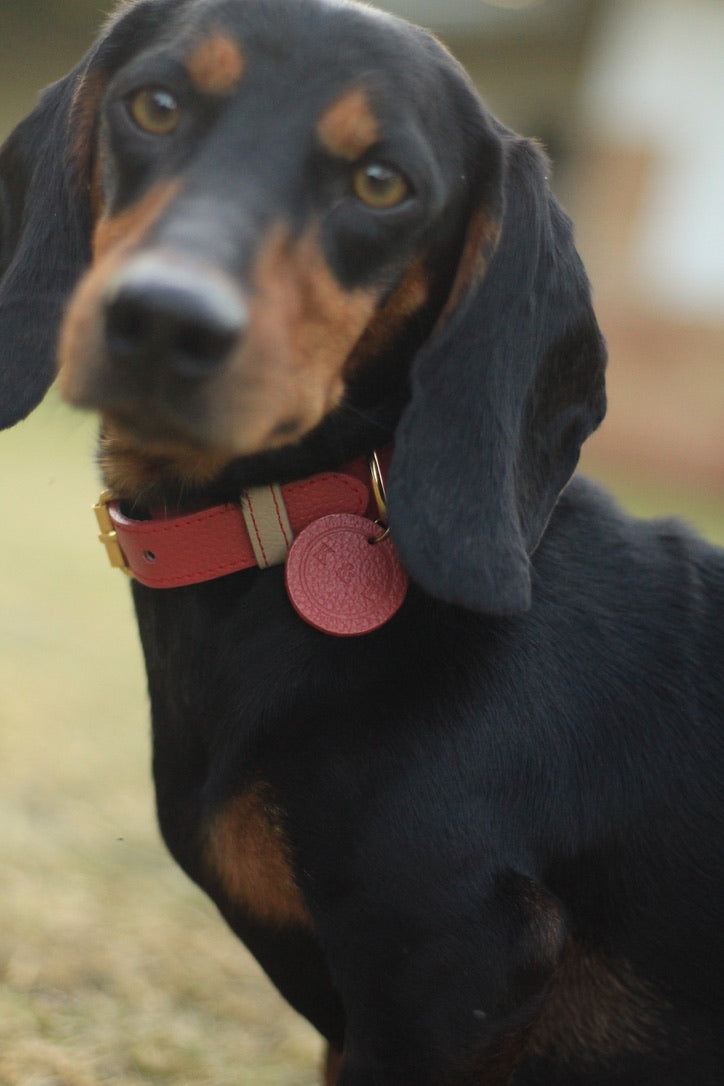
[{"x": 327, "y": 529}]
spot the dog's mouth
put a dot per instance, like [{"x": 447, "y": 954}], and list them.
[
  {"x": 158, "y": 428},
  {"x": 140, "y": 453},
  {"x": 186, "y": 365}
]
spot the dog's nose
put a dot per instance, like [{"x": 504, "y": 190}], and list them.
[{"x": 173, "y": 316}]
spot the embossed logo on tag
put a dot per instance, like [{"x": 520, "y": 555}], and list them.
[{"x": 341, "y": 583}]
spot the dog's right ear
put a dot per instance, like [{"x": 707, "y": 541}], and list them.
[{"x": 44, "y": 239}]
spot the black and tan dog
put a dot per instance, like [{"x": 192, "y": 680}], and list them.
[{"x": 482, "y": 842}]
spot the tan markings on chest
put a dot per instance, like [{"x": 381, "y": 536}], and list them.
[
  {"x": 596, "y": 1009},
  {"x": 249, "y": 856}
]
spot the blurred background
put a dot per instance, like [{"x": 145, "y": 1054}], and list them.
[{"x": 113, "y": 968}]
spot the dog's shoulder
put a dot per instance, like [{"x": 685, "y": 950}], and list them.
[
  {"x": 591, "y": 534},
  {"x": 641, "y": 598}
]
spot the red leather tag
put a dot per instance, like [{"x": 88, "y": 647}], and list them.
[{"x": 338, "y": 581}]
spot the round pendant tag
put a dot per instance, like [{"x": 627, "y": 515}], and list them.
[{"x": 338, "y": 581}]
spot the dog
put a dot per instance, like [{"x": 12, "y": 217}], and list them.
[{"x": 435, "y": 725}]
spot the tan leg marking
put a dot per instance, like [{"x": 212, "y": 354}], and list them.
[
  {"x": 248, "y": 854},
  {"x": 595, "y": 1010}
]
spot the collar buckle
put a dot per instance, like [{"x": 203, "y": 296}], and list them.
[{"x": 108, "y": 535}]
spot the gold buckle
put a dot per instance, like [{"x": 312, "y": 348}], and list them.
[{"x": 109, "y": 536}]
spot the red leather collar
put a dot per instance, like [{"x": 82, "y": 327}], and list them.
[{"x": 168, "y": 552}]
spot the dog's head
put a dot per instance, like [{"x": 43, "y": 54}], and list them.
[{"x": 241, "y": 225}]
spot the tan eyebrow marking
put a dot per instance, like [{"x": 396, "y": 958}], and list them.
[
  {"x": 216, "y": 65},
  {"x": 349, "y": 127}
]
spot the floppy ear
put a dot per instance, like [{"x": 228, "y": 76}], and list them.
[
  {"x": 503, "y": 395},
  {"x": 44, "y": 241}
]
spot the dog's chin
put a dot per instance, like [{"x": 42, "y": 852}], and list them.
[
  {"x": 136, "y": 464},
  {"x": 142, "y": 454}
]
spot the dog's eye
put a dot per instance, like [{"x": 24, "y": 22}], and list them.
[
  {"x": 379, "y": 186},
  {"x": 154, "y": 110}
]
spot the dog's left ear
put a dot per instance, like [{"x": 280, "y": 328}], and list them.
[
  {"x": 503, "y": 395},
  {"x": 44, "y": 244}
]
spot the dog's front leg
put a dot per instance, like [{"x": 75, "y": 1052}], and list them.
[{"x": 447, "y": 1000}]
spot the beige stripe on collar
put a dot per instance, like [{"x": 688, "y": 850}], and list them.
[{"x": 267, "y": 523}]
